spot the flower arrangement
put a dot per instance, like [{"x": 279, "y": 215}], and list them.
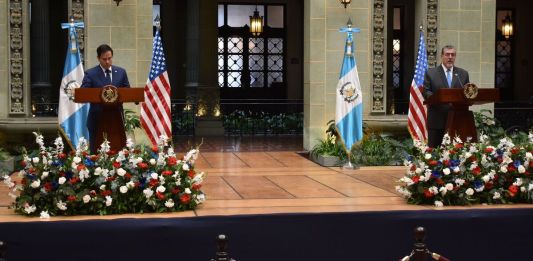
[
  {"x": 464, "y": 173},
  {"x": 136, "y": 179}
]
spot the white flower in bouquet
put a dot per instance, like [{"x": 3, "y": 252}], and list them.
[
  {"x": 86, "y": 199},
  {"x": 98, "y": 171},
  {"x": 105, "y": 147},
  {"x": 422, "y": 178},
  {"x": 199, "y": 199},
  {"x": 407, "y": 181},
  {"x": 497, "y": 195},
  {"x": 459, "y": 182},
  {"x": 161, "y": 159},
  {"x": 467, "y": 155},
  {"x": 61, "y": 205},
  {"x": 76, "y": 160},
  {"x": 61, "y": 180},
  {"x": 170, "y": 152},
  {"x": 473, "y": 166},
  {"x": 148, "y": 193},
  {"x": 188, "y": 191},
  {"x": 105, "y": 172},
  {"x": 446, "y": 171},
  {"x": 449, "y": 186},
  {"x": 82, "y": 146},
  {"x": 45, "y": 174},
  {"x": 506, "y": 143},
  {"x": 198, "y": 178},
  {"x": 457, "y": 140},
  {"x": 108, "y": 200},
  {"x": 152, "y": 162},
  {"x": 84, "y": 174},
  {"x": 521, "y": 169},
  {"x": 29, "y": 209},
  {"x": 58, "y": 142},
  {"x": 39, "y": 139},
  {"x": 121, "y": 172},
  {"x": 191, "y": 156},
  {"x": 185, "y": 167},
  {"x": 130, "y": 143},
  {"x": 427, "y": 156},
  {"x": 446, "y": 140},
  {"x": 529, "y": 155},
  {"x": 123, "y": 189},
  {"x": 439, "y": 204},
  {"x": 178, "y": 181},
  {"x": 130, "y": 184},
  {"x": 483, "y": 138},
  {"x": 481, "y": 188},
  {"x": 162, "y": 179},
  {"x": 161, "y": 189},
  {"x": 443, "y": 190},
  {"x": 8, "y": 182},
  {"x": 469, "y": 192},
  {"x": 169, "y": 203},
  {"x": 523, "y": 189},
  {"x": 503, "y": 169},
  {"x": 36, "y": 183},
  {"x": 486, "y": 178},
  {"x": 418, "y": 170},
  {"x": 456, "y": 169},
  {"x": 35, "y": 160},
  {"x": 162, "y": 141},
  {"x": 154, "y": 175},
  {"x": 103, "y": 187},
  {"x": 518, "y": 182},
  {"x": 530, "y": 187},
  {"x": 44, "y": 215}
]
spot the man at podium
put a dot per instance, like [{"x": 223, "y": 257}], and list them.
[
  {"x": 447, "y": 75},
  {"x": 105, "y": 73}
]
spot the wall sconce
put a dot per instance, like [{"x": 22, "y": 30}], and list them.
[
  {"x": 507, "y": 26},
  {"x": 256, "y": 23},
  {"x": 117, "y": 1},
  {"x": 345, "y": 2}
]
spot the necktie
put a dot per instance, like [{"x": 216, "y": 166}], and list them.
[
  {"x": 449, "y": 78},
  {"x": 108, "y": 76}
]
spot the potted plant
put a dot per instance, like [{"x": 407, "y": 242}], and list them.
[
  {"x": 6, "y": 162},
  {"x": 131, "y": 122},
  {"x": 328, "y": 152}
]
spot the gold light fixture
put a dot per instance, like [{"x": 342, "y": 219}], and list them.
[
  {"x": 256, "y": 23},
  {"x": 507, "y": 26},
  {"x": 345, "y": 2}
]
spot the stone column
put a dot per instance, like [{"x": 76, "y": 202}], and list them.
[{"x": 40, "y": 51}]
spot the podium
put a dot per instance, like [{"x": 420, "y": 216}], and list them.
[
  {"x": 111, "y": 122},
  {"x": 460, "y": 119}
]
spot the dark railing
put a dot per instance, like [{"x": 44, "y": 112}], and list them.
[{"x": 515, "y": 115}]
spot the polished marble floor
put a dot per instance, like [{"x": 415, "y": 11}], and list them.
[{"x": 254, "y": 181}]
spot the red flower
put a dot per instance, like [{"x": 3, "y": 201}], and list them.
[
  {"x": 489, "y": 150},
  {"x": 85, "y": 153},
  {"x": 446, "y": 163},
  {"x": 111, "y": 153},
  {"x": 191, "y": 173},
  {"x": 95, "y": 157},
  {"x": 513, "y": 189},
  {"x": 74, "y": 180},
  {"x": 71, "y": 198},
  {"x": 451, "y": 152},
  {"x": 439, "y": 181},
  {"x": 61, "y": 174},
  {"x": 126, "y": 153},
  {"x": 196, "y": 186},
  {"x": 142, "y": 165},
  {"x": 413, "y": 167},
  {"x": 175, "y": 190},
  {"x": 167, "y": 172},
  {"x": 433, "y": 162},
  {"x": 116, "y": 164},
  {"x": 62, "y": 155},
  {"x": 155, "y": 149},
  {"x": 23, "y": 181},
  {"x": 416, "y": 179},
  {"x": 473, "y": 159},
  {"x": 511, "y": 167},
  {"x": 127, "y": 175},
  {"x": 428, "y": 193},
  {"x": 429, "y": 149},
  {"x": 92, "y": 193},
  {"x": 160, "y": 195},
  {"x": 476, "y": 170},
  {"x": 23, "y": 163},
  {"x": 489, "y": 185},
  {"x": 111, "y": 178},
  {"x": 137, "y": 184},
  {"x": 48, "y": 186},
  {"x": 171, "y": 161},
  {"x": 154, "y": 182},
  {"x": 106, "y": 193},
  {"x": 185, "y": 198},
  {"x": 515, "y": 150},
  {"x": 80, "y": 167}
]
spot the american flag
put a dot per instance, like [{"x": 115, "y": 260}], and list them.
[
  {"x": 155, "y": 111},
  {"x": 416, "y": 121}
]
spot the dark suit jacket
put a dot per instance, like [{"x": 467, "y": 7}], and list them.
[
  {"x": 95, "y": 78},
  {"x": 435, "y": 79}
]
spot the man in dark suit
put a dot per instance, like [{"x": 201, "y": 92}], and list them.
[
  {"x": 105, "y": 73},
  {"x": 446, "y": 75}
]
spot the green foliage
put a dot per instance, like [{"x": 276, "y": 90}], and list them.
[
  {"x": 243, "y": 122},
  {"x": 375, "y": 150},
  {"x": 3, "y": 154},
  {"x": 328, "y": 147},
  {"x": 486, "y": 124},
  {"x": 131, "y": 120}
]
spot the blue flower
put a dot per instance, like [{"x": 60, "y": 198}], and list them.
[
  {"x": 88, "y": 163},
  {"x": 436, "y": 174},
  {"x": 517, "y": 163},
  {"x": 478, "y": 184}
]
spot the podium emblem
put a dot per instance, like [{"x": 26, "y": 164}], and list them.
[
  {"x": 348, "y": 92},
  {"x": 109, "y": 94},
  {"x": 69, "y": 89},
  {"x": 470, "y": 91}
]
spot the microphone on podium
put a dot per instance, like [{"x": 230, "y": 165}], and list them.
[{"x": 459, "y": 78}]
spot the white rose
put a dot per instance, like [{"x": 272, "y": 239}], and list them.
[
  {"x": 35, "y": 160},
  {"x": 449, "y": 186},
  {"x": 97, "y": 171},
  {"x": 188, "y": 191},
  {"x": 102, "y": 187},
  {"x": 418, "y": 170},
  {"x": 152, "y": 162},
  {"x": 44, "y": 175},
  {"x": 108, "y": 200},
  {"x": 169, "y": 203},
  {"x": 36, "y": 183},
  {"x": 469, "y": 192},
  {"x": 201, "y": 198},
  {"x": 521, "y": 169},
  {"x": 185, "y": 167},
  {"x": 130, "y": 184},
  {"x": 61, "y": 205},
  {"x": 456, "y": 169},
  {"x": 443, "y": 190},
  {"x": 62, "y": 180},
  {"x": 121, "y": 172},
  {"x": 161, "y": 189},
  {"x": 438, "y": 204},
  {"x": 529, "y": 155},
  {"x": 148, "y": 192},
  {"x": 496, "y": 195},
  {"x": 427, "y": 156},
  {"x": 154, "y": 175},
  {"x": 123, "y": 189},
  {"x": 446, "y": 171},
  {"x": 29, "y": 209},
  {"x": 503, "y": 169},
  {"x": 76, "y": 159},
  {"x": 44, "y": 215},
  {"x": 486, "y": 178},
  {"x": 86, "y": 199},
  {"x": 468, "y": 155}
]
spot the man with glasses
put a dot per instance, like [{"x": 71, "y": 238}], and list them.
[{"x": 446, "y": 75}]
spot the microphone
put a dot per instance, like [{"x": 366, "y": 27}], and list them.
[{"x": 458, "y": 78}]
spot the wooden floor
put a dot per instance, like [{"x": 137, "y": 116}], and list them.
[{"x": 264, "y": 182}]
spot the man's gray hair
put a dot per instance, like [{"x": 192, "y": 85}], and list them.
[{"x": 447, "y": 47}]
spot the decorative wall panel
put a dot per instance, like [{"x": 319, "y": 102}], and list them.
[
  {"x": 378, "y": 57},
  {"x": 16, "y": 61}
]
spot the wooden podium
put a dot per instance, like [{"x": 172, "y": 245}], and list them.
[
  {"x": 460, "y": 119},
  {"x": 111, "y": 122}
]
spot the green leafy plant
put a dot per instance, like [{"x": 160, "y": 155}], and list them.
[
  {"x": 131, "y": 120},
  {"x": 328, "y": 147},
  {"x": 375, "y": 150},
  {"x": 486, "y": 124}
]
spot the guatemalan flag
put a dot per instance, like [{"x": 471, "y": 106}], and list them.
[
  {"x": 349, "y": 111},
  {"x": 72, "y": 116}
]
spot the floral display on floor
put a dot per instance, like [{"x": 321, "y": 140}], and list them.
[
  {"x": 137, "y": 179},
  {"x": 464, "y": 173}
]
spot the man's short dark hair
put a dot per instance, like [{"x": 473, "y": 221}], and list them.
[
  {"x": 104, "y": 48},
  {"x": 447, "y": 47}
]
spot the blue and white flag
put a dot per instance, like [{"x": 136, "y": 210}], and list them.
[
  {"x": 72, "y": 116},
  {"x": 349, "y": 111}
]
